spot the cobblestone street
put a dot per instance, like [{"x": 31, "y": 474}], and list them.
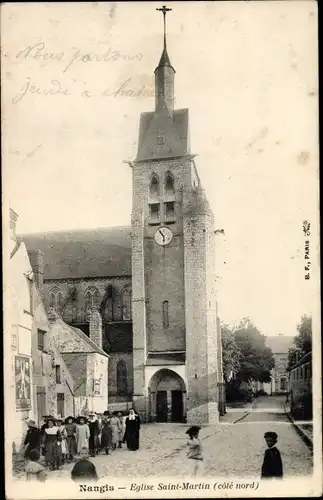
[{"x": 230, "y": 449}]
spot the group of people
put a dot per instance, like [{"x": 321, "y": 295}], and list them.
[
  {"x": 88, "y": 436},
  {"x": 61, "y": 441}
]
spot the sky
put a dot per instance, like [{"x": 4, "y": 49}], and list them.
[{"x": 76, "y": 78}]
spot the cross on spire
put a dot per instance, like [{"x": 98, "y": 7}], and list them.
[{"x": 164, "y": 10}]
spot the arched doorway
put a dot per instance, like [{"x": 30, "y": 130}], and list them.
[
  {"x": 167, "y": 397},
  {"x": 283, "y": 384}
]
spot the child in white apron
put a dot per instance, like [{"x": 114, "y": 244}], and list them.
[{"x": 63, "y": 432}]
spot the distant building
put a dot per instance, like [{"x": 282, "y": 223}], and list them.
[{"x": 280, "y": 346}]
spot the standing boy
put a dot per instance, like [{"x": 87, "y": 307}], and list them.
[{"x": 272, "y": 465}]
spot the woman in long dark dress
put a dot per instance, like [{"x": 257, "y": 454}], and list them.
[
  {"x": 52, "y": 443},
  {"x": 33, "y": 438},
  {"x": 106, "y": 437},
  {"x": 94, "y": 427},
  {"x": 131, "y": 436}
]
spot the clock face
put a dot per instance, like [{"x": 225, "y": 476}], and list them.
[{"x": 163, "y": 236}]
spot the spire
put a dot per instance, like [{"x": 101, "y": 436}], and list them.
[
  {"x": 164, "y": 60},
  {"x": 164, "y": 74}
]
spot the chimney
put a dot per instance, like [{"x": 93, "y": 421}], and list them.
[
  {"x": 96, "y": 327},
  {"x": 36, "y": 258},
  {"x": 13, "y": 223}
]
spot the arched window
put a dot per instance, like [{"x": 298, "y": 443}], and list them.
[
  {"x": 169, "y": 204},
  {"x": 126, "y": 304},
  {"x": 154, "y": 203},
  {"x": 122, "y": 382},
  {"x": 56, "y": 299},
  {"x": 154, "y": 188},
  {"x": 165, "y": 314},
  {"x": 169, "y": 186},
  {"x": 92, "y": 298}
]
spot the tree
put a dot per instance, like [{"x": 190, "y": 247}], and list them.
[
  {"x": 230, "y": 353},
  {"x": 302, "y": 341},
  {"x": 256, "y": 360}
]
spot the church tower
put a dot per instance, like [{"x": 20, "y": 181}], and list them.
[{"x": 175, "y": 344}]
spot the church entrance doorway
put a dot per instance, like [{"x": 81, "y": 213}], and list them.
[
  {"x": 161, "y": 409},
  {"x": 167, "y": 397},
  {"x": 177, "y": 406}
]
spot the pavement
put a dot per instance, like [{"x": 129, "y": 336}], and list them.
[
  {"x": 304, "y": 428},
  {"x": 234, "y": 447}
]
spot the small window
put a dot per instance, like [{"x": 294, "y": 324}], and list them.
[
  {"x": 41, "y": 340},
  {"x": 60, "y": 404},
  {"x": 160, "y": 140},
  {"x": 165, "y": 314},
  {"x": 58, "y": 374},
  {"x": 154, "y": 188},
  {"x": 169, "y": 186},
  {"x": 154, "y": 212},
  {"x": 169, "y": 211}
]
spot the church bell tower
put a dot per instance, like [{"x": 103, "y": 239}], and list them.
[{"x": 175, "y": 338}]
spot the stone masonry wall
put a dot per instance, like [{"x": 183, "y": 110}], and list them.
[
  {"x": 211, "y": 318},
  {"x": 157, "y": 273},
  {"x": 196, "y": 319},
  {"x": 74, "y": 311}
]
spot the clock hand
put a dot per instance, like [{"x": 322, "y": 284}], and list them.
[{"x": 162, "y": 234}]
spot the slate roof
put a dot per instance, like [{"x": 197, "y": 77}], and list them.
[
  {"x": 179, "y": 124},
  {"x": 164, "y": 60},
  {"x": 279, "y": 344},
  {"x": 92, "y": 345},
  {"x": 84, "y": 253}
]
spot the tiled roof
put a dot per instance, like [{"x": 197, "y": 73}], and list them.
[
  {"x": 175, "y": 129},
  {"x": 279, "y": 344},
  {"x": 84, "y": 253}
]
